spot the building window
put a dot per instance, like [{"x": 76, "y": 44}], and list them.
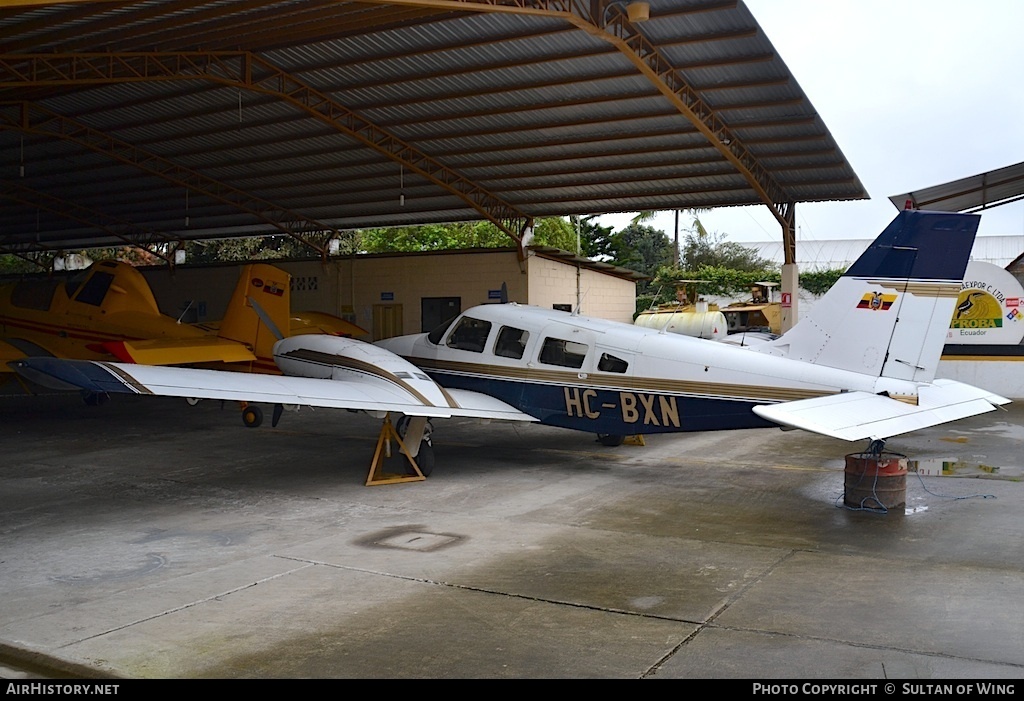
[{"x": 435, "y": 311}]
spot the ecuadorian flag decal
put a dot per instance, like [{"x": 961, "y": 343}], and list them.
[{"x": 876, "y": 301}]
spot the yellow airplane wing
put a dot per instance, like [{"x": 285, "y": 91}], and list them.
[
  {"x": 7, "y": 354},
  {"x": 320, "y": 322}
]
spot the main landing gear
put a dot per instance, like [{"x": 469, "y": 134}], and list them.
[
  {"x": 612, "y": 440},
  {"x": 252, "y": 416}
]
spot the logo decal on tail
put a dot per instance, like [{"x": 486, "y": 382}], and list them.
[{"x": 876, "y": 301}]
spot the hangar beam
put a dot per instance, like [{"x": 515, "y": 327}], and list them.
[
  {"x": 249, "y": 71},
  {"x": 123, "y": 230},
  {"x": 608, "y": 21},
  {"x": 35, "y": 119}
]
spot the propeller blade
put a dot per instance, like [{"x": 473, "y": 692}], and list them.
[{"x": 265, "y": 318}]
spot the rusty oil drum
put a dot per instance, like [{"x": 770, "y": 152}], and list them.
[{"x": 876, "y": 481}]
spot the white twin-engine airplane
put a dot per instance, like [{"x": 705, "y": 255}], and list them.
[{"x": 860, "y": 365}]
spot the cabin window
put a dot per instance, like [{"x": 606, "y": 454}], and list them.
[
  {"x": 567, "y": 354},
  {"x": 511, "y": 342},
  {"x": 95, "y": 289},
  {"x": 609, "y": 363},
  {"x": 470, "y": 334}
]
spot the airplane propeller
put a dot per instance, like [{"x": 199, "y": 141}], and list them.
[
  {"x": 269, "y": 323},
  {"x": 265, "y": 318}
]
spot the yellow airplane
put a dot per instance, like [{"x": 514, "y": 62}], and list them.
[{"x": 108, "y": 312}]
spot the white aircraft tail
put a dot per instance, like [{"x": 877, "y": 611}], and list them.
[{"x": 889, "y": 314}]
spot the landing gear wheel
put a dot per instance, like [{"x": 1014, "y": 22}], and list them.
[
  {"x": 425, "y": 458},
  {"x": 252, "y": 416},
  {"x": 610, "y": 439},
  {"x": 402, "y": 425}
]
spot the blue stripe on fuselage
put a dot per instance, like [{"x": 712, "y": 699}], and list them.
[{"x": 618, "y": 412}]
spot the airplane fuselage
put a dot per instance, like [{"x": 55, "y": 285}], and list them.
[{"x": 611, "y": 378}]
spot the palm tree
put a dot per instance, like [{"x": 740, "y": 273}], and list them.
[{"x": 647, "y": 215}]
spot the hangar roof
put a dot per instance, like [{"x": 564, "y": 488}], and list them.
[
  {"x": 164, "y": 120},
  {"x": 971, "y": 194}
]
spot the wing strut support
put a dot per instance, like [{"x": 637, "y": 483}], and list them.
[{"x": 383, "y": 452}]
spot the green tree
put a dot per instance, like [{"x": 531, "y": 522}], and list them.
[
  {"x": 818, "y": 282},
  {"x": 643, "y": 249},
  {"x": 701, "y": 248},
  {"x": 728, "y": 268},
  {"x": 595, "y": 240},
  {"x": 11, "y": 264},
  {"x": 557, "y": 232},
  {"x": 548, "y": 231}
]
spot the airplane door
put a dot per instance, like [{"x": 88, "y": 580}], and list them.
[{"x": 387, "y": 321}]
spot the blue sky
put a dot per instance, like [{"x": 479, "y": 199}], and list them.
[{"x": 916, "y": 93}]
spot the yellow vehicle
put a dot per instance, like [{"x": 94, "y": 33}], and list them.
[
  {"x": 108, "y": 312},
  {"x": 759, "y": 314}
]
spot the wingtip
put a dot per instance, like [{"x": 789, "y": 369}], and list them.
[{"x": 119, "y": 349}]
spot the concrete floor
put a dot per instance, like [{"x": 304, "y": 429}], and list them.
[{"x": 146, "y": 538}]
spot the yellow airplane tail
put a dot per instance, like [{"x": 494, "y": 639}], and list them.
[{"x": 259, "y": 312}]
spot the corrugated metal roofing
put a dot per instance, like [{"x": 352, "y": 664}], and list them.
[
  {"x": 971, "y": 194},
  {"x": 829, "y": 254},
  {"x": 541, "y": 113}
]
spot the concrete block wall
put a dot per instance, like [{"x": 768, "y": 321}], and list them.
[{"x": 351, "y": 287}]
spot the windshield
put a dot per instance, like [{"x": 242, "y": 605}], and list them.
[{"x": 435, "y": 336}]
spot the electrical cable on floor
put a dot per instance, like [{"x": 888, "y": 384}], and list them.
[{"x": 949, "y": 496}]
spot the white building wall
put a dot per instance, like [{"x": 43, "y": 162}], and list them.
[
  {"x": 554, "y": 282},
  {"x": 352, "y": 287}
]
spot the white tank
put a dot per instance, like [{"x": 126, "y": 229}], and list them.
[{"x": 699, "y": 324}]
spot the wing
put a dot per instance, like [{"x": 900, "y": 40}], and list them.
[
  {"x": 8, "y": 353},
  {"x": 855, "y": 416},
  {"x": 364, "y": 393}
]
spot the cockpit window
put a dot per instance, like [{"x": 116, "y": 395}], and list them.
[
  {"x": 470, "y": 334},
  {"x": 437, "y": 334},
  {"x": 74, "y": 282},
  {"x": 511, "y": 342},
  {"x": 95, "y": 289},
  {"x": 609, "y": 363},
  {"x": 567, "y": 354},
  {"x": 34, "y": 294}
]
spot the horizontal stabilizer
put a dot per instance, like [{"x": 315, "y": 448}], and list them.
[
  {"x": 856, "y": 416},
  {"x": 192, "y": 383},
  {"x": 173, "y": 351}
]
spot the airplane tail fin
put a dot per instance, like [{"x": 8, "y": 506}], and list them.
[
  {"x": 889, "y": 314},
  {"x": 259, "y": 310}
]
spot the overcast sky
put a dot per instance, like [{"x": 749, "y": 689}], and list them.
[{"x": 915, "y": 92}]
